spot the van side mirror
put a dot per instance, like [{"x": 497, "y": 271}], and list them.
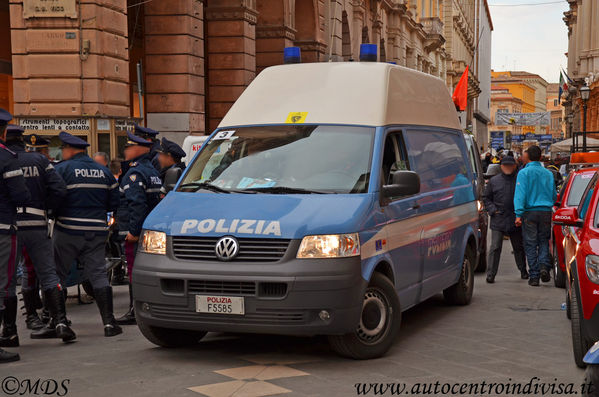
[
  {"x": 567, "y": 217},
  {"x": 404, "y": 183},
  {"x": 171, "y": 177}
]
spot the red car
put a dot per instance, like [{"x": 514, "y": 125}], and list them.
[
  {"x": 581, "y": 253},
  {"x": 568, "y": 197}
]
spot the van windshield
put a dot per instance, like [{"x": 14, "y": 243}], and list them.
[{"x": 284, "y": 159}]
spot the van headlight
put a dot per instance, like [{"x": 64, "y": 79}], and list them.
[
  {"x": 154, "y": 242},
  {"x": 592, "y": 267},
  {"x": 329, "y": 246}
]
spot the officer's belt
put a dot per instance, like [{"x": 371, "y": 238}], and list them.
[{"x": 30, "y": 210}]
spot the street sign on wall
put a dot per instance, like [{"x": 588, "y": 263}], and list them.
[
  {"x": 42, "y": 124},
  {"x": 49, "y": 8}
]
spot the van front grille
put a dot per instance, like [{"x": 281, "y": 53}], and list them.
[
  {"x": 221, "y": 287},
  {"x": 250, "y": 249}
]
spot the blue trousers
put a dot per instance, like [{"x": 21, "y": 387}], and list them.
[{"x": 536, "y": 230}]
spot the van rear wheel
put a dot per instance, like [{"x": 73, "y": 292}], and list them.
[
  {"x": 461, "y": 292},
  {"x": 379, "y": 323},
  {"x": 166, "y": 337}
]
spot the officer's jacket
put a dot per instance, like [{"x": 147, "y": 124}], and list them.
[
  {"x": 47, "y": 188},
  {"x": 13, "y": 190},
  {"x": 92, "y": 191},
  {"x": 154, "y": 155},
  {"x": 140, "y": 192}
]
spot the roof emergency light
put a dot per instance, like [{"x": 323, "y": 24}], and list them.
[
  {"x": 368, "y": 53},
  {"x": 292, "y": 55}
]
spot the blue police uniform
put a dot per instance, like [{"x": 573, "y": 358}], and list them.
[
  {"x": 13, "y": 193},
  {"x": 177, "y": 153},
  {"x": 81, "y": 229},
  {"x": 140, "y": 192},
  {"x": 47, "y": 191}
]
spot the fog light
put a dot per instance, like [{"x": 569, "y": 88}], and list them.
[
  {"x": 324, "y": 315},
  {"x": 145, "y": 307}
]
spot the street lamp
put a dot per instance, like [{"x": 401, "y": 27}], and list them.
[{"x": 585, "y": 93}]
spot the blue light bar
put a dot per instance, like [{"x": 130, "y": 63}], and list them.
[
  {"x": 368, "y": 53},
  {"x": 292, "y": 55}
]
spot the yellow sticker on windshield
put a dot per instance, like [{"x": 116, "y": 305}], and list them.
[{"x": 296, "y": 117}]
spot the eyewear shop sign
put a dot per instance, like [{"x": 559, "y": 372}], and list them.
[
  {"x": 49, "y": 8},
  {"x": 55, "y": 124}
]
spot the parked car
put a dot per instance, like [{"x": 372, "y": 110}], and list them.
[
  {"x": 568, "y": 197},
  {"x": 581, "y": 256}
]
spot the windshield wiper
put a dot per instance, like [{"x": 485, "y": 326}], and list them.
[
  {"x": 283, "y": 190},
  {"x": 211, "y": 187}
]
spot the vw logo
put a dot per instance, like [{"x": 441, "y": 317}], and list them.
[{"x": 226, "y": 248}]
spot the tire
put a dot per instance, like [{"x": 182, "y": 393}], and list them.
[
  {"x": 369, "y": 340},
  {"x": 568, "y": 306},
  {"x": 461, "y": 292},
  {"x": 559, "y": 278},
  {"x": 166, "y": 337},
  {"x": 579, "y": 343}
]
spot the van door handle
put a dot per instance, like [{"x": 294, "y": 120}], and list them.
[{"x": 415, "y": 206}]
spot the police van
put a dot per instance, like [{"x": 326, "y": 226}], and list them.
[{"x": 331, "y": 198}]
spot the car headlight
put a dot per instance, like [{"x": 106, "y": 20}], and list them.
[
  {"x": 154, "y": 242},
  {"x": 592, "y": 267},
  {"x": 329, "y": 246}
]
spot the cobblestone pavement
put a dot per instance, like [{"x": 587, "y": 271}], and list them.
[{"x": 510, "y": 333}]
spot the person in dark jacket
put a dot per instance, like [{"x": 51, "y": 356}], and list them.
[
  {"x": 499, "y": 202},
  {"x": 13, "y": 194},
  {"x": 47, "y": 190},
  {"x": 81, "y": 227},
  {"x": 169, "y": 156},
  {"x": 151, "y": 135},
  {"x": 140, "y": 192}
]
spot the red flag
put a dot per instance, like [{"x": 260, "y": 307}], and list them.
[{"x": 460, "y": 95}]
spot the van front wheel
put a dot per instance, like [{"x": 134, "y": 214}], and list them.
[
  {"x": 379, "y": 323},
  {"x": 461, "y": 292}
]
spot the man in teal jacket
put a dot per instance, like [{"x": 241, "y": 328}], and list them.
[{"x": 534, "y": 197}]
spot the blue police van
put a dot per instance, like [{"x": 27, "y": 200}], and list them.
[{"x": 331, "y": 198}]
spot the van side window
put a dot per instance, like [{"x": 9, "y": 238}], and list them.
[
  {"x": 437, "y": 158},
  {"x": 394, "y": 157}
]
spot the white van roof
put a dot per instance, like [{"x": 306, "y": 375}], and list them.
[{"x": 351, "y": 93}]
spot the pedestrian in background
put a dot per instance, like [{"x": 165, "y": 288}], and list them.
[
  {"x": 81, "y": 227},
  {"x": 533, "y": 200},
  {"x": 115, "y": 168},
  {"x": 499, "y": 202},
  {"x": 169, "y": 156},
  {"x": 13, "y": 193},
  {"x": 101, "y": 158}
]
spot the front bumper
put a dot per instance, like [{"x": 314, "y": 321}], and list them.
[{"x": 283, "y": 297}]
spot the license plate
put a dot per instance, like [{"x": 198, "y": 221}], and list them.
[{"x": 220, "y": 304}]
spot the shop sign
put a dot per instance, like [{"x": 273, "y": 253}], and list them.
[{"x": 41, "y": 124}]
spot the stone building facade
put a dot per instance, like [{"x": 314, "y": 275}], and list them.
[
  {"x": 74, "y": 64},
  {"x": 582, "y": 19}
]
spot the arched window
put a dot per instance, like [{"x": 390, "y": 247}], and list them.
[{"x": 345, "y": 37}]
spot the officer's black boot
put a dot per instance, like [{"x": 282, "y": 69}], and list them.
[
  {"x": 57, "y": 327},
  {"x": 9, "y": 336},
  {"x": 129, "y": 317},
  {"x": 30, "y": 299},
  {"x": 7, "y": 357},
  {"x": 104, "y": 301}
]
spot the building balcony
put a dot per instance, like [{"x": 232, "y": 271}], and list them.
[{"x": 433, "y": 27}]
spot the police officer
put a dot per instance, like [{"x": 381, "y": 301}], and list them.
[
  {"x": 47, "y": 191},
  {"x": 37, "y": 143},
  {"x": 13, "y": 193},
  {"x": 150, "y": 134},
  {"x": 140, "y": 192},
  {"x": 169, "y": 156},
  {"x": 81, "y": 228}
]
